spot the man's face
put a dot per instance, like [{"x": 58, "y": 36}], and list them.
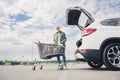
[{"x": 58, "y": 28}]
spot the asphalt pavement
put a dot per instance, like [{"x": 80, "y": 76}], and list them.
[{"x": 74, "y": 72}]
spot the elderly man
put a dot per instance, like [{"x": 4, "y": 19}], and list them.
[{"x": 60, "y": 39}]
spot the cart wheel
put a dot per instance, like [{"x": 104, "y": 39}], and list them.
[
  {"x": 33, "y": 68},
  {"x": 41, "y": 67},
  {"x": 60, "y": 67}
]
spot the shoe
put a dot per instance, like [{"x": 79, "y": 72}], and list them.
[
  {"x": 58, "y": 67},
  {"x": 65, "y": 67}
]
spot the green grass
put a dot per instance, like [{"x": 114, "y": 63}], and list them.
[{"x": 15, "y": 62}]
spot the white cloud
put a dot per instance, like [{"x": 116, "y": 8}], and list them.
[{"x": 45, "y": 15}]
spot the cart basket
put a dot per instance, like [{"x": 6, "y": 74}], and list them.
[{"x": 47, "y": 51}]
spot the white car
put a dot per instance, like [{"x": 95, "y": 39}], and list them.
[{"x": 100, "y": 42}]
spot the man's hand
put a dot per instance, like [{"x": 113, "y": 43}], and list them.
[{"x": 61, "y": 42}]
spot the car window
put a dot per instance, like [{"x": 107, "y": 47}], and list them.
[
  {"x": 83, "y": 19},
  {"x": 111, "y": 22}
]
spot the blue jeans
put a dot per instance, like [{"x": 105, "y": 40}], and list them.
[{"x": 59, "y": 60}]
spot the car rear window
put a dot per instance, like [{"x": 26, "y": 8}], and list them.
[{"x": 111, "y": 22}]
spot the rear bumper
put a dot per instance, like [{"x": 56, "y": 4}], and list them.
[{"x": 90, "y": 54}]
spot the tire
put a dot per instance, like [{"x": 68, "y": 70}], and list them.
[
  {"x": 111, "y": 56},
  {"x": 33, "y": 68},
  {"x": 94, "y": 65}
]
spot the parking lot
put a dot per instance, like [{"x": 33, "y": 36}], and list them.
[{"x": 74, "y": 72}]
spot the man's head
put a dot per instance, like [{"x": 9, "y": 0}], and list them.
[{"x": 58, "y": 28}]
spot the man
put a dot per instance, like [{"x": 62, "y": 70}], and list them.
[{"x": 60, "y": 39}]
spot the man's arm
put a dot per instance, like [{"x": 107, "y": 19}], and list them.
[{"x": 64, "y": 38}]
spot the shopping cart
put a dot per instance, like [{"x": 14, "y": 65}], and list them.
[{"x": 48, "y": 51}]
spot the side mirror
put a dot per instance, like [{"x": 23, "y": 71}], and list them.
[{"x": 73, "y": 17}]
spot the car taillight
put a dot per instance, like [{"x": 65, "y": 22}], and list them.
[{"x": 88, "y": 31}]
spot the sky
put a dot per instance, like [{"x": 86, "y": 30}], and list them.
[{"x": 23, "y": 22}]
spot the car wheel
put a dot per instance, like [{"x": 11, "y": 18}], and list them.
[
  {"x": 95, "y": 65},
  {"x": 111, "y": 56}
]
